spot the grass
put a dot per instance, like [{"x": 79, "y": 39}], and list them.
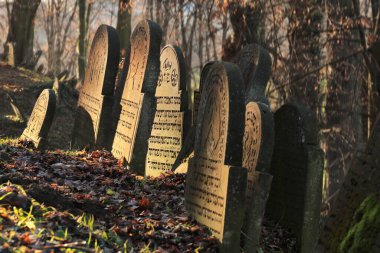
[
  {"x": 8, "y": 141},
  {"x": 43, "y": 228}
]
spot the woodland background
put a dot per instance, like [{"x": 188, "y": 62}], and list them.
[{"x": 325, "y": 52}]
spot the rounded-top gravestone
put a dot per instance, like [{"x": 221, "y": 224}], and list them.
[
  {"x": 41, "y": 119},
  {"x": 138, "y": 101},
  {"x": 93, "y": 121},
  {"x": 216, "y": 184},
  {"x": 169, "y": 124},
  {"x": 256, "y": 66}
]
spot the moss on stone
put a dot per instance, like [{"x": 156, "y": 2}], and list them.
[{"x": 364, "y": 228}]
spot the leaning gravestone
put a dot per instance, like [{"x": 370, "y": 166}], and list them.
[
  {"x": 188, "y": 146},
  {"x": 216, "y": 184},
  {"x": 256, "y": 66},
  {"x": 138, "y": 100},
  {"x": 41, "y": 119},
  {"x": 93, "y": 120},
  {"x": 170, "y": 124},
  {"x": 297, "y": 166}
]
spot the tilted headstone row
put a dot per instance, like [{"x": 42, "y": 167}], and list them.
[{"x": 233, "y": 138}]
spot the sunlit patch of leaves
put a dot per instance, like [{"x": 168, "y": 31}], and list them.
[{"x": 42, "y": 227}]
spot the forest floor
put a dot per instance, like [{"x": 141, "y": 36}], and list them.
[{"x": 86, "y": 201}]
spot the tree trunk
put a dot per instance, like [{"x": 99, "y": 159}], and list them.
[
  {"x": 84, "y": 16},
  {"x": 21, "y": 29},
  {"x": 124, "y": 23}
]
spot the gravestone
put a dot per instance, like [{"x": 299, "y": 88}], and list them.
[
  {"x": 138, "y": 101},
  {"x": 188, "y": 146},
  {"x": 40, "y": 120},
  {"x": 119, "y": 86},
  {"x": 256, "y": 66},
  {"x": 216, "y": 184},
  {"x": 93, "y": 120},
  {"x": 10, "y": 54},
  {"x": 297, "y": 167},
  {"x": 197, "y": 93},
  {"x": 258, "y": 141},
  {"x": 170, "y": 123}
]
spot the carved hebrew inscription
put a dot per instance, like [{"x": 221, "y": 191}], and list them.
[
  {"x": 206, "y": 199},
  {"x": 98, "y": 83},
  {"x": 132, "y": 97},
  {"x": 210, "y": 181},
  {"x": 138, "y": 101},
  {"x": 251, "y": 142},
  {"x": 166, "y": 138}
]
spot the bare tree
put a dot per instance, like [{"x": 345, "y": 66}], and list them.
[
  {"x": 124, "y": 23},
  {"x": 85, "y": 7},
  {"x": 21, "y": 28}
]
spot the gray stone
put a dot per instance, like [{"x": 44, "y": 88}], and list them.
[
  {"x": 297, "y": 166},
  {"x": 215, "y": 183},
  {"x": 169, "y": 125},
  {"x": 258, "y": 141},
  {"x": 138, "y": 100},
  {"x": 261, "y": 184},
  {"x": 256, "y": 66},
  {"x": 93, "y": 121},
  {"x": 10, "y": 54},
  {"x": 40, "y": 120},
  {"x": 188, "y": 146}
]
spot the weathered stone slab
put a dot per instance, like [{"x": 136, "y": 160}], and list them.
[
  {"x": 197, "y": 93},
  {"x": 40, "y": 120},
  {"x": 216, "y": 184},
  {"x": 258, "y": 141},
  {"x": 256, "y": 66},
  {"x": 10, "y": 54},
  {"x": 297, "y": 167},
  {"x": 93, "y": 122},
  {"x": 138, "y": 101},
  {"x": 255, "y": 209},
  {"x": 119, "y": 85},
  {"x": 188, "y": 146},
  {"x": 169, "y": 125}
]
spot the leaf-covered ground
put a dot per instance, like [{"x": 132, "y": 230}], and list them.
[
  {"x": 86, "y": 202},
  {"x": 24, "y": 86}
]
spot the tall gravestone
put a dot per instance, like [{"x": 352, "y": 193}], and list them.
[
  {"x": 197, "y": 93},
  {"x": 138, "y": 101},
  {"x": 258, "y": 142},
  {"x": 188, "y": 146},
  {"x": 255, "y": 64},
  {"x": 93, "y": 121},
  {"x": 216, "y": 184},
  {"x": 297, "y": 167},
  {"x": 170, "y": 123},
  {"x": 41, "y": 119}
]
